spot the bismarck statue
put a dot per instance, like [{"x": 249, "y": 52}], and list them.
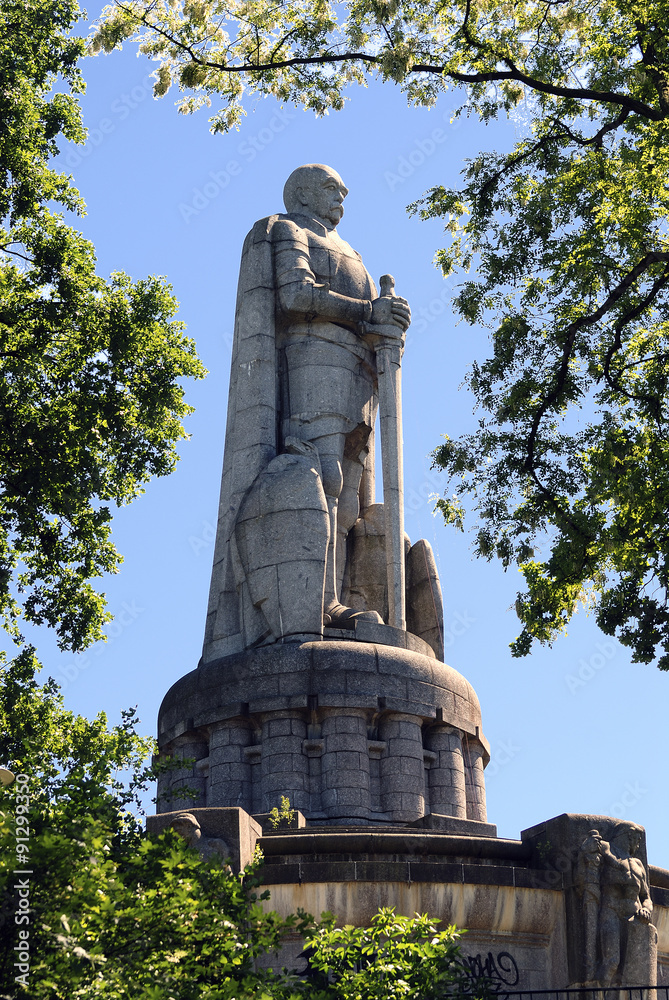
[
  {"x": 301, "y": 543},
  {"x": 322, "y": 676}
]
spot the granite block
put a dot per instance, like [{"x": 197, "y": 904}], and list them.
[
  {"x": 426, "y": 871},
  {"x": 327, "y": 871},
  {"x": 348, "y": 779},
  {"x": 279, "y": 727},
  {"x": 382, "y": 871},
  {"x": 224, "y": 755},
  {"x": 488, "y": 874},
  {"x": 272, "y": 874},
  {"x": 533, "y": 878}
]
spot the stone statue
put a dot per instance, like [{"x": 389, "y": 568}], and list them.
[
  {"x": 186, "y": 825},
  {"x": 625, "y": 911},
  {"x": 619, "y": 936},
  {"x": 298, "y": 526},
  {"x": 588, "y": 875}
]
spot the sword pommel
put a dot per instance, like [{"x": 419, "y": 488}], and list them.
[{"x": 387, "y": 283}]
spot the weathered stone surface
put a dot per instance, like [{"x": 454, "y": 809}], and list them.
[
  {"x": 235, "y": 827},
  {"x": 611, "y": 940},
  {"x": 386, "y": 635},
  {"x": 488, "y": 886},
  {"x": 425, "y": 607},
  {"x": 453, "y": 825},
  {"x": 188, "y": 784},
  {"x": 310, "y": 722},
  {"x": 474, "y": 754},
  {"x": 328, "y": 672},
  {"x": 526, "y": 924},
  {"x": 314, "y": 346}
]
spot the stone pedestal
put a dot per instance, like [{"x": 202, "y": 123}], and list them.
[
  {"x": 349, "y": 731},
  {"x": 517, "y": 899},
  {"x": 378, "y": 746}
]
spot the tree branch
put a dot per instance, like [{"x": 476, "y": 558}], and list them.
[
  {"x": 512, "y": 162},
  {"x": 492, "y": 76},
  {"x": 595, "y": 140},
  {"x": 4, "y": 247},
  {"x": 658, "y": 284},
  {"x": 576, "y": 93},
  {"x": 651, "y": 258}
]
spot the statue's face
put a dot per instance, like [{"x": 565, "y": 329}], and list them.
[{"x": 323, "y": 193}]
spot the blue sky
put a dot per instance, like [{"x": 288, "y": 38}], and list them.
[{"x": 574, "y": 729}]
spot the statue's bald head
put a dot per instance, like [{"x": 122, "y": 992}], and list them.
[{"x": 315, "y": 189}]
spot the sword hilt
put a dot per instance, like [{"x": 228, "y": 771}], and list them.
[{"x": 387, "y": 283}]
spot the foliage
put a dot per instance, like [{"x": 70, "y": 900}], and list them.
[
  {"x": 285, "y": 814},
  {"x": 567, "y": 233},
  {"x": 113, "y": 913},
  {"x": 90, "y": 398},
  {"x": 299, "y": 50},
  {"x": 568, "y": 468},
  {"x": 395, "y": 957}
]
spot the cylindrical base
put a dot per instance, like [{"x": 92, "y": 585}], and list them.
[{"x": 348, "y": 732}]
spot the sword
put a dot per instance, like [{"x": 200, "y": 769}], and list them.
[{"x": 388, "y": 361}]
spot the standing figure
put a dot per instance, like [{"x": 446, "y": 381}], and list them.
[
  {"x": 298, "y": 468},
  {"x": 587, "y": 880},
  {"x": 625, "y": 904},
  {"x": 328, "y": 308}
]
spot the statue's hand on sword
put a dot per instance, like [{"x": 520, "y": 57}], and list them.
[
  {"x": 391, "y": 310},
  {"x": 391, "y": 316}
]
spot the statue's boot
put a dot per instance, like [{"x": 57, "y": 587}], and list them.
[
  {"x": 339, "y": 616},
  {"x": 335, "y": 614}
]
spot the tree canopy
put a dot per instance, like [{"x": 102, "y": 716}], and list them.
[
  {"x": 564, "y": 239},
  {"x": 108, "y": 911},
  {"x": 91, "y": 400}
]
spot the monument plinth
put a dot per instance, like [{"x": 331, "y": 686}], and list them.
[
  {"x": 308, "y": 721},
  {"x": 322, "y": 677}
]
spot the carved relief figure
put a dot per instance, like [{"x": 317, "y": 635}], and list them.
[
  {"x": 625, "y": 901},
  {"x": 186, "y": 825},
  {"x": 298, "y": 471},
  {"x": 588, "y": 875},
  {"x": 617, "y": 910}
]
